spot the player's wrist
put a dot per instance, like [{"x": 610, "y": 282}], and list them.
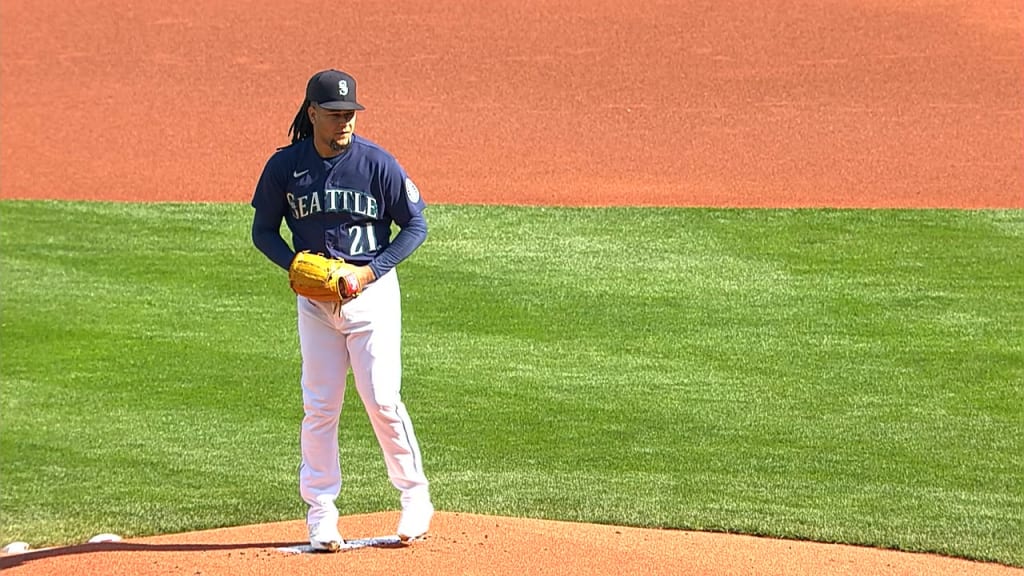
[
  {"x": 366, "y": 275},
  {"x": 373, "y": 272}
]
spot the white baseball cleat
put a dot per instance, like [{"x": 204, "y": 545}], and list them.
[
  {"x": 415, "y": 521},
  {"x": 324, "y": 536}
]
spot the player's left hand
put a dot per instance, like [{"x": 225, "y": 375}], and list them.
[
  {"x": 352, "y": 279},
  {"x": 326, "y": 279},
  {"x": 364, "y": 275}
]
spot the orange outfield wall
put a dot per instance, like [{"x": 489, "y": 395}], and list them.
[{"x": 856, "y": 103}]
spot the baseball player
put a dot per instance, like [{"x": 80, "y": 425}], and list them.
[{"x": 339, "y": 194}]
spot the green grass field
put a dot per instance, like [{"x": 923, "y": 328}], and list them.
[{"x": 836, "y": 375}]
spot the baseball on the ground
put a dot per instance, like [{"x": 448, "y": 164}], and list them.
[
  {"x": 16, "y": 548},
  {"x": 104, "y": 538}
]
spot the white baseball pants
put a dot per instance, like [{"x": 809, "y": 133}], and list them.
[{"x": 364, "y": 335}]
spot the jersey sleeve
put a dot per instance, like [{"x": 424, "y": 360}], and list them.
[
  {"x": 404, "y": 205},
  {"x": 271, "y": 205},
  {"x": 269, "y": 196},
  {"x": 402, "y": 197}
]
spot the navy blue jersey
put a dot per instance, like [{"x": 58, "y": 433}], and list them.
[{"x": 342, "y": 207}]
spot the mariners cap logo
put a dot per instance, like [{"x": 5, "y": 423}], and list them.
[{"x": 334, "y": 90}]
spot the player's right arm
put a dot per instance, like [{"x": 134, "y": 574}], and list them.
[{"x": 270, "y": 203}]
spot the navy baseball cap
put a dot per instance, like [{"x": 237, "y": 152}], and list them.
[{"x": 334, "y": 90}]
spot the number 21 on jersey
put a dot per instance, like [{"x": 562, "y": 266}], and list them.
[{"x": 362, "y": 240}]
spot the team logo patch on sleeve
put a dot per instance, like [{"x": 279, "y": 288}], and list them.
[{"x": 412, "y": 191}]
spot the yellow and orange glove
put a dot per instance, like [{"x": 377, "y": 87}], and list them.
[{"x": 327, "y": 279}]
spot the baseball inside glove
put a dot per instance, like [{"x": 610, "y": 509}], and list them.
[{"x": 323, "y": 279}]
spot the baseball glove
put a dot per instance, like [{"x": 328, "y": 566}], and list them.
[{"x": 323, "y": 279}]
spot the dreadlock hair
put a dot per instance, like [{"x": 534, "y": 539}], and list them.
[{"x": 301, "y": 128}]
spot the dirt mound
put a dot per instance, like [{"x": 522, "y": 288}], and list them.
[{"x": 480, "y": 545}]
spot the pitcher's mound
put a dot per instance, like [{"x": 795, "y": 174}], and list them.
[{"x": 465, "y": 544}]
